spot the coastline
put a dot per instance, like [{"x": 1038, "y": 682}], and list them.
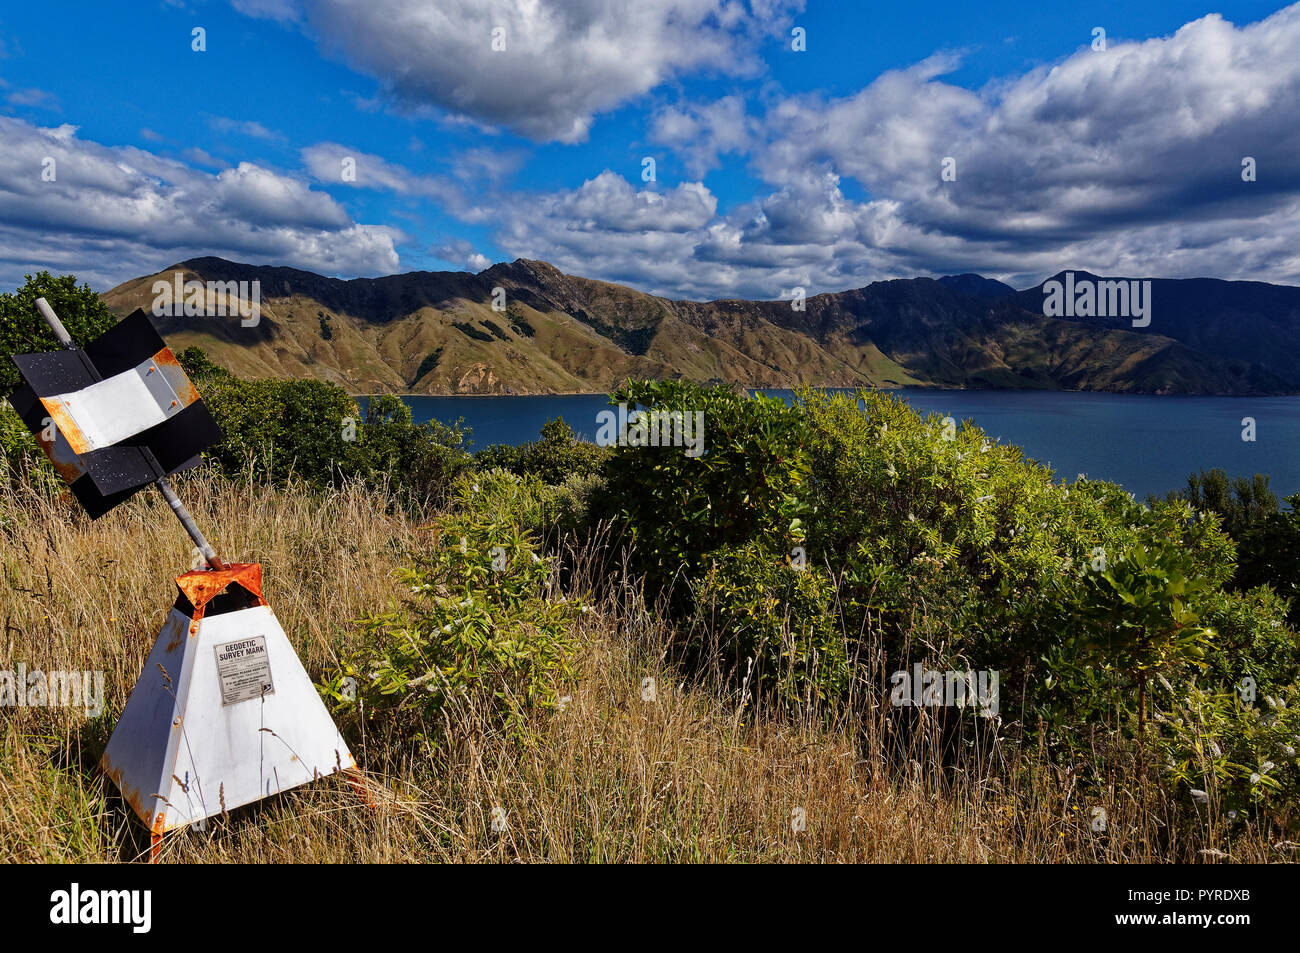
[{"x": 922, "y": 388}]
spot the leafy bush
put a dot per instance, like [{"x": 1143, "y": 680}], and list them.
[
  {"x": 745, "y": 486},
  {"x": 1239, "y": 503},
  {"x": 1233, "y": 755},
  {"x": 315, "y": 430},
  {"x": 554, "y": 458},
  {"x": 1267, "y": 537},
  {"x": 936, "y": 544},
  {"x": 285, "y": 427},
  {"x": 1269, "y": 555},
  {"x": 485, "y": 628},
  {"x": 953, "y": 542},
  {"x": 20, "y": 455},
  {"x": 24, "y": 331},
  {"x": 421, "y": 460},
  {"x": 1141, "y": 615},
  {"x": 778, "y": 618},
  {"x": 1251, "y": 640}
]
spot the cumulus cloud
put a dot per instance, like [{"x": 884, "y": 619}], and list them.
[
  {"x": 563, "y": 61},
  {"x": 1124, "y": 161},
  {"x": 458, "y": 251},
  {"x": 703, "y": 132},
  {"x": 113, "y": 213},
  {"x": 334, "y": 164},
  {"x": 606, "y": 228}
]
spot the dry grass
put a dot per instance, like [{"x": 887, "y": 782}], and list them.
[{"x": 694, "y": 775}]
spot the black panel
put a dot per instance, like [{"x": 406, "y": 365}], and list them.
[
  {"x": 96, "y": 504},
  {"x": 119, "y": 468},
  {"x": 29, "y": 407},
  {"x": 180, "y": 437},
  {"x": 56, "y": 372},
  {"x": 126, "y": 344},
  {"x": 114, "y": 474}
]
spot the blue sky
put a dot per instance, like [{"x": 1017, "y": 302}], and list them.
[{"x": 774, "y": 168}]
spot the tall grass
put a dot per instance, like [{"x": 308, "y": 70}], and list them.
[{"x": 699, "y": 773}]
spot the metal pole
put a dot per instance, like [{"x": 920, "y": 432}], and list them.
[
  {"x": 52, "y": 319},
  {"x": 182, "y": 514},
  {"x": 187, "y": 521}
]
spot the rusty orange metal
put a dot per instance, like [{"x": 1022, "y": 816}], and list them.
[
  {"x": 67, "y": 425},
  {"x": 201, "y": 586},
  {"x": 133, "y": 797},
  {"x": 68, "y": 466},
  {"x": 356, "y": 780},
  {"x": 171, "y": 368}
]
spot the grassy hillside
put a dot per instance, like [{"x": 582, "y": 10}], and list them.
[
  {"x": 438, "y": 333},
  {"x": 645, "y": 652},
  {"x": 699, "y": 775}
]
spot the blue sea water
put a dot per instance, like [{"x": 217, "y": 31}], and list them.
[{"x": 1146, "y": 444}]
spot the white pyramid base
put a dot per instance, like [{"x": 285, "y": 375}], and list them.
[{"x": 180, "y": 755}]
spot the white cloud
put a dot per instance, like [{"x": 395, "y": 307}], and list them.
[
  {"x": 32, "y": 98},
  {"x": 1122, "y": 155},
  {"x": 283, "y": 10},
  {"x": 1125, "y": 161},
  {"x": 114, "y": 213},
  {"x": 334, "y": 164},
  {"x": 702, "y": 133},
  {"x": 564, "y": 61},
  {"x": 458, "y": 251},
  {"x": 244, "y": 127}
]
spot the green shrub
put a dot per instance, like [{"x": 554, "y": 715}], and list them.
[
  {"x": 1239, "y": 503},
  {"x": 1269, "y": 555},
  {"x": 314, "y": 430},
  {"x": 545, "y": 512},
  {"x": 20, "y": 455},
  {"x": 421, "y": 461},
  {"x": 485, "y": 627},
  {"x": 745, "y": 486},
  {"x": 1231, "y": 755},
  {"x": 1141, "y": 615},
  {"x": 775, "y": 623},
  {"x": 555, "y": 457},
  {"x": 1252, "y": 641},
  {"x": 951, "y": 540},
  {"x": 1267, "y": 537},
  {"x": 942, "y": 545},
  {"x": 24, "y": 331},
  {"x": 285, "y": 427}
]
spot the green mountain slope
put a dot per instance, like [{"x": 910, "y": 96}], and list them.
[{"x": 438, "y": 333}]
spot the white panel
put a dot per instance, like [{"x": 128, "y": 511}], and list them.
[
  {"x": 199, "y": 753},
  {"x": 121, "y": 406},
  {"x": 142, "y": 751},
  {"x": 225, "y": 746}
]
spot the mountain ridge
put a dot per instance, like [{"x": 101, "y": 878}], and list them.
[{"x": 439, "y": 333}]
